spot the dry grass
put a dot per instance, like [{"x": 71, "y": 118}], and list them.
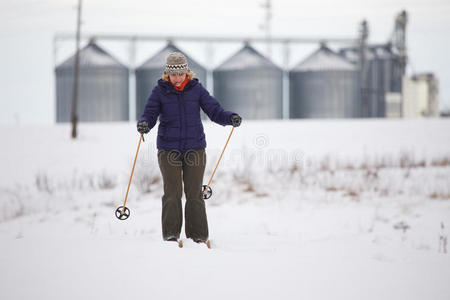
[
  {"x": 407, "y": 161},
  {"x": 294, "y": 169},
  {"x": 439, "y": 196},
  {"x": 441, "y": 162},
  {"x": 43, "y": 184},
  {"x": 13, "y": 204},
  {"x": 106, "y": 181},
  {"x": 145, "y": 181},
  {"x": 249, "y": 188},
  {"x": 352, "y": 193},
  {"x": 331, "y": 189}
]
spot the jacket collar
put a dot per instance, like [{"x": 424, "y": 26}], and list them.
[{"x": 166, "y": 86}]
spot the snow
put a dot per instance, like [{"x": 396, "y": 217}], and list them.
[{"x": 301, "y": 209}]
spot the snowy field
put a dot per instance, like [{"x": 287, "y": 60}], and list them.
[{"x": 308, "y": 209}]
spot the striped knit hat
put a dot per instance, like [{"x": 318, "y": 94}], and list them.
[{"x": 176, "y": 63}]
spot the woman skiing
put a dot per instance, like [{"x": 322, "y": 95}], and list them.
[{"x": 176, "y": 100}]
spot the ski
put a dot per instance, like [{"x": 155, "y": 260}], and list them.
[
  {"x": 207, "y": 242},
  {"x": 174, "y": 239},
  {"x": 180, "y": 243}
]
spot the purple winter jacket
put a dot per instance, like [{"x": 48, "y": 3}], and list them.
[{"x": 180, "y": 125}]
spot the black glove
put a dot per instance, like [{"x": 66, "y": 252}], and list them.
[
  {"x": 142, "y": 127},
  {"x": 235, "y": 120}
]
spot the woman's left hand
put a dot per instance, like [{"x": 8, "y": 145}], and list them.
[{"x": 235, "y": 120}]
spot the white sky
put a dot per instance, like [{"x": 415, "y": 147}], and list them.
[{"x": 27, "y": 28}]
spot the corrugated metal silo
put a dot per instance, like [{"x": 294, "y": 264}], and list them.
[
  {"x": 382, "y": 62},
  {"x": 374, "y": 79},
  {"x": 151, "y": 70},
  {"x": 383, "y": 76},
  {"x": 397, "y": 74},
  {"x": 102, "y": 89},
  {"x": 249, "y": 84},
  {"x": 324, "y": 85}
]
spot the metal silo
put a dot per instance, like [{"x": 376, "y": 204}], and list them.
[
  {"x": 324, "y": 85},
  {"x": 249, "y": 84},
  {"x": 150, "y": 71},
  {"x": 383, "y": 76},
  {"x": 383, "y": 63},
  {"x": 374, "y": 78},
  {"x": 103, "y": 87}
]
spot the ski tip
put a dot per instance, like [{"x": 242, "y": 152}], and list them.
[
  {"x": 208, "y": 244},
  {"x": 180, "y": 244}
]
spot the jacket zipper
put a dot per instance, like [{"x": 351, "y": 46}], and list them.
[{"x": 184, "y": 119}]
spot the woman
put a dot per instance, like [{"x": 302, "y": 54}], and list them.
[{"x": 177, "y": 99}]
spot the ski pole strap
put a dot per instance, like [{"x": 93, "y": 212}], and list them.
[
  {"x": 132, "y": 171},
  {"x": 214, "y": 172}
]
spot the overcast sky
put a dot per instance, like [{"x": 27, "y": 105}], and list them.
[{"x": 27, "y": 28}]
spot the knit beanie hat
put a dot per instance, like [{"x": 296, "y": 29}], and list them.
[{"x": 176, "y": 63}]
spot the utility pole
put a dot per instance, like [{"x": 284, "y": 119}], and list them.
[
  {"x": 363, "y": 68},
  {"x": 75, "y": 75},
  {"x": 266, "y": 26}
]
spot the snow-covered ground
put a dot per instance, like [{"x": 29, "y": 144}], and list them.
[{"x": 308, "y": 209}]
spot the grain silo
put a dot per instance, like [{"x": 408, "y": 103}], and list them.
[
  {"x": 382, "y": 62},
  {"x": 324, "y": 85},
  {"x": 148, "y": 74},
  {"x": 102, "y": 89},
  {"x": 383, "y": 76},
  {"x": 249, "y": 84}
]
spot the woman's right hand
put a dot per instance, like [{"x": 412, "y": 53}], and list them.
[{"x": 142, "y": 127}]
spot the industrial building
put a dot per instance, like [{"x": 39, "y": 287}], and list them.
[
  {"x": 383, "y": 75},
  {"x": 359, "y": 80},
  {"x": 250, "y": 84},
  {"x": 102, "y": 91},
  {"x": 324, "y": 85},
  {"x": 420, "y": 96}
]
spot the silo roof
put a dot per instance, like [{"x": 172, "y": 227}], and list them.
[
  {"x": 350, "y": 54},
  {"x": 382, "y": 52},
  {"x": 324, "y": 59},
  {"x": 158, "y": 61},
  {"x": 92, "y": 55},
  {"x": 246, "y": 58}
]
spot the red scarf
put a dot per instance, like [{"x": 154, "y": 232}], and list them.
[{"x": 183, "y": 84}]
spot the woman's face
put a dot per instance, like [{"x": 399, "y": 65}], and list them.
[{"x": 177, "y": 80}]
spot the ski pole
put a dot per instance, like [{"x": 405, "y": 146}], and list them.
[
  {"x": 207, "y": 191},
  {"x": 122, "y": 212}
]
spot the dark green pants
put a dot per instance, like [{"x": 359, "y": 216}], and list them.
[{"x": 178, "y": 168}]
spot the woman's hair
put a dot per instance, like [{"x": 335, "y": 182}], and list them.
[{"x": 189, "y": 74}]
